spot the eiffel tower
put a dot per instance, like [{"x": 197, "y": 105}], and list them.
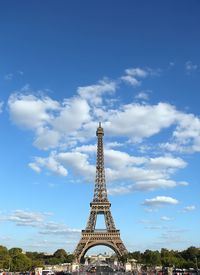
[{"x": 100, "y": 206}]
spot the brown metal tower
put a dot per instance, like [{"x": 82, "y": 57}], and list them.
[{"x": 100, "y": 205}]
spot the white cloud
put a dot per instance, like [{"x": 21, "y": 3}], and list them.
[
  {"x": 119, "y": 190},
  {"x": 10, "y": 76},
  {"x": 65, "y": 126},
  {"x": 51, "y": 121},
  {"x": 120, "y": 160},
  {"x": 1, "y": 106},
  {"x": 46, "y": 138},
  {"x": 186, "y": 136},
  {"x": 142, "y": 186},
  {"x": 131, "y": 80},
  {"x": 171, "y": 64},
  {"x": 61, "y": 162},
  {"x": 151, "y": 185},
  {"x": 189, "y": 208},
  {"x": 165, "y": 218},
  {"x": 72, "y": 115},
  {"x": 93, "y": 93},
  {"x": 172, "y": 237},
  {"x": 86, "y": 149},
  {"x": 142, "y": 95},
  {"x": 137, "y": 72},
  {"x": 79, "y": 163},
  {"x": 167, "y": 162},
  {"x": 136, "y": 173},
  {"x": 34, "y": 167},
  {"x": 132, "y": 75},
  {"x": 159, "y": 201},
  {"x": 52, "y": 228},
  {"x": 110, "y": 145},
  {"x": 49, "y": 163},
  {"x": 30, "y": 111},
  {"x": 127, "y": 121},
  {"x": 189, "y": 66},
  {"x": 20, "y": 73},
  {"x": 25, "y": 218},
  {"x": 38, "y": 220},
  {"x": 155, "y": 227},
  {"x": 74, "y": 120}
]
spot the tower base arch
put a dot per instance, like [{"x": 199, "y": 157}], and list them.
[{"x": 88, "y": 240}]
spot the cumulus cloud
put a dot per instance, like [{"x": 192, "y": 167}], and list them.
[
  {"x": 46, "y": 138},
  {"x": 186, "y": 136},
  {"x": 30, "y": 111},
  {"x": 68, "y": 128},
  {"x": 127, "y": 120},
  {"x": 79, "y": 163},
  {"x": 74, "y": 120},
  {"x": 50, "y": 120},
  {"x": 73, "y": 114},
  {"x": 132, "y": 75},
  {"x": 86, "y": 148},
  {"x": 49, "y": 163},
  {"x": 93, "y": 93},
  {"x": 159, "y": 201},
  {"x": 119, "y": 160},
  {"x": 167, "y": 162},
  {"x": 136, "y": 173}
]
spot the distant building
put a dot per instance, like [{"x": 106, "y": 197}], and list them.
[{"x": 98, "y": 258}]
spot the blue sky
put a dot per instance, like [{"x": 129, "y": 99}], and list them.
[{"x": 65, "y": 66}]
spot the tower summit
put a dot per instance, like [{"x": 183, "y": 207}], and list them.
[{"x": 100, "y": 205}]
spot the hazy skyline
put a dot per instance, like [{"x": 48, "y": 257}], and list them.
[{"x": 65, "y": 66}]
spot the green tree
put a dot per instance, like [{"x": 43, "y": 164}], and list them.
[
  {"x": 4, "y": 258},
  {"x": 15, "y": 251},
  {"x": 70, "y": 258},
  {"x": 21, "y": 262},
  {"x": 61, "y": 254},
  {"x": 123, "y": 258},
  {"x": 168, "y": 257},
  {"x": 152, "y": 258},
  {"x": 136, "y": 255},
  {"x": 36, "y": 258},
  {"x": 191, "y": 256}
]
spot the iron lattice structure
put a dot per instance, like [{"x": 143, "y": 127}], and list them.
[{"x": 100, "y": 205}]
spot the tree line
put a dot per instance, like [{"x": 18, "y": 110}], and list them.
[
  {"x": 189, "y": 258},
  {"x": 15, "y": 259}
]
